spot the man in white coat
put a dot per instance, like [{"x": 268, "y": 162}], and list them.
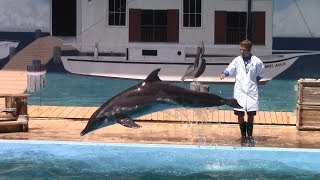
[{"x": 248, "y": 70}]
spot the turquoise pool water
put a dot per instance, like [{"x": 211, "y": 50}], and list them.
[
  {"x": 76, "y": 90},
  {"x": 68, "y": 89},
  {"x": 73, "y": 160}
]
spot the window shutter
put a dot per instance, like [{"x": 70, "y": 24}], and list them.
[
  {"x": 258, "y": 27},
  {"x": 134, "y": 25},
  {"x": 220, "y": 27},
  {"x": 173, "y": 25}
]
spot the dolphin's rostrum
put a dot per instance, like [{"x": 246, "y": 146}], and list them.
[{"x": 147, "y": 97}]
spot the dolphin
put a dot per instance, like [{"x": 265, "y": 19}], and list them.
[{"x": 150, "y": 95}]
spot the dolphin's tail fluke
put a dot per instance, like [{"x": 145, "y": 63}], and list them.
[{"x": 232, "y": 103}]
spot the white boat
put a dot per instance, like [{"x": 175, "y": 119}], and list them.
[
  {"x": 5, "y": 47},
  {"x": 121, "y": 67}
]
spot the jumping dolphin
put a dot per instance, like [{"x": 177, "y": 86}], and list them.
[{"x": 145, "y": 97}]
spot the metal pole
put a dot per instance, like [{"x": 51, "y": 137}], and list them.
[{"x": 249, "y": 22}]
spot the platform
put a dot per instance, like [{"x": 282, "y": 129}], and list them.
[
  {"x": 202, "y": 134},
  {"x": 205, "y": 115}
]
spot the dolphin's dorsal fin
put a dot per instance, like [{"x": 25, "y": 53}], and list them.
[{"x": 153, "y": 76}]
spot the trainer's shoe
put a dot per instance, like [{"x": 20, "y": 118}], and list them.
[
  {"x": 250, "y": 139},
  {"x": 243, "y": 139}
]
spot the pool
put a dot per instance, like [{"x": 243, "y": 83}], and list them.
[
  {"x": 76, "y": 90},
  {"x": 77, "y": 160}
]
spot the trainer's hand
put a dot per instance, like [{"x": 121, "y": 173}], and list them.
[{"x": 222, "y": 76}]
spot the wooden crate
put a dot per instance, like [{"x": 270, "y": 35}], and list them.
[
  {"x": 308, "y": 117},
  {"x": 309, "y": 92}
]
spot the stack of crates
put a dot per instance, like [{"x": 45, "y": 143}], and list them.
[{"x": 308, "y": 106}]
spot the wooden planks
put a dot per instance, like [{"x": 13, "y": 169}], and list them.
[
  {"x": 308, "y": 106},
  {"x": 41, "y": 48},
  {"x": 13, "y": 77},
  {"x": 308, "y": 117},
  {"x": 2, "y": 103},
  {"x": 173, "y": 115},
  {"x": 309, "y": 91}
]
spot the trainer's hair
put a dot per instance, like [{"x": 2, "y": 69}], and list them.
[{"x": 246, "y": 43}]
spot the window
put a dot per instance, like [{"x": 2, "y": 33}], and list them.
[
  {"x": 230, "y": 27},
  {"x": 236, "y": 27},
  {"x": 154, "y": 26},
  {"x": 117, "y": 12},
  {"x": 191, "y": 13}
]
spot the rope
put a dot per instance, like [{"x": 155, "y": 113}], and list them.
[{"x": 304, "y": 20}]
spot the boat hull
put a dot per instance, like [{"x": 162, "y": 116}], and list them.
[{"x": 118, "y": 67}]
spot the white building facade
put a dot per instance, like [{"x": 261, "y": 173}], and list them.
[{"x": 128, "y": 26}]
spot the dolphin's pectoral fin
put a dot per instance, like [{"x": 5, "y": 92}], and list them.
[{"x": 128, "y": 122}]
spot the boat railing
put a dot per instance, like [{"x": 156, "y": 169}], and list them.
[{"x": 189, "y": 49}]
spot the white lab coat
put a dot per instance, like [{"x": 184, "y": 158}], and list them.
[{"x": 246, "y": 85}]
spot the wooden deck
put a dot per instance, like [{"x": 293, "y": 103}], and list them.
[
  {"x": 41, "y": 49},
  {"x": 202, "y": 115},
  {"x": 13, "y": 76}
]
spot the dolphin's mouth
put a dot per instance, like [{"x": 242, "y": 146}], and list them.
[{"x": 83, "y": 133}]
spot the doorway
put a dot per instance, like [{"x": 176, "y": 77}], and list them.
[{"x": 64, "y": 17}]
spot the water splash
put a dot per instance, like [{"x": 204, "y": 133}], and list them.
[{"x": 200, "y": 120}]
